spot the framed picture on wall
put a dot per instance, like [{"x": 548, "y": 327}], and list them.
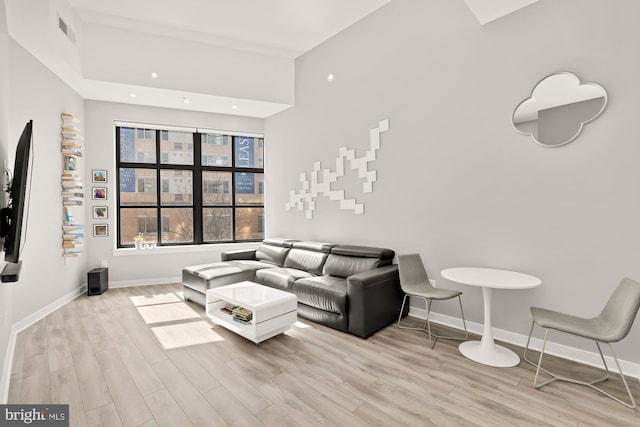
[
  {"x": 98, "y": 175},
  {"x": 100, "y": 230},
  {"x": 99, "y": 193},
  {"x": 100, "y": 212}
]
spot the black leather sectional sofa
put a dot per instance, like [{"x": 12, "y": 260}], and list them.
[{"x": 353, "y": 289}]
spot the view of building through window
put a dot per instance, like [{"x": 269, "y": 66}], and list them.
[{"x": 179, "y": 187}]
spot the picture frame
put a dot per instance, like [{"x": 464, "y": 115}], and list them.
[
  {"x": 99, "y": 175},
  {"x": 70, "y": 163},
  {"x": 100, "y": 230},
  {"x": 99, "y": 193},
  {"x": 100, "y": 212}
]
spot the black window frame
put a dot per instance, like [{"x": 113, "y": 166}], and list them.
[{"x": 197, "y": 169}]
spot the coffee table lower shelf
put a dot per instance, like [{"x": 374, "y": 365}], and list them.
[{"x": 274, "y": 311}]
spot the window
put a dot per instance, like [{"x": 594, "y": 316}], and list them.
[{"x": 180, "y": 187}]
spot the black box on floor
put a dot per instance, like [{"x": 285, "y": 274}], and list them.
[{"x": 98, "y": 281}]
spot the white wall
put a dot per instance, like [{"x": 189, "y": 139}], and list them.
[
  {"x": 456, "y": 182},
  {"x": 33, "y": 93},
  {"x": 128, "y": 266},
  {"x": 5, "y": 291},
  {"x": 37, "y": 94}
]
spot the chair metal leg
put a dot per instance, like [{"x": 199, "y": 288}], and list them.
[
  {"x": 464, "y": 323},
  {"x": 433, "y": 338},
  {"x": 432, "y": 342},
  {"x": 404, "y": 300},
  {"x": 591, "y": 384},
  {"x": 526, "y": 347},
  {"x": 402, "y": 310}
]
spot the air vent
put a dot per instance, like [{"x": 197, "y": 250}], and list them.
[{"x": 66, "y": 30}]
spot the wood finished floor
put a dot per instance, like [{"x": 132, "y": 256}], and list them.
[{"x": 98, "y": 355}]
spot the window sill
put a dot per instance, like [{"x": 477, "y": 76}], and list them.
[{"x": 218, "y": 247}]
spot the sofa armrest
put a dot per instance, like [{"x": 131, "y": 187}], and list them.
[
  {"x": 375, "y": 300},
  {"x": 249, "y": 254}
]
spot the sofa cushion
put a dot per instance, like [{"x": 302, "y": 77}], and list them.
[
  {"x": 280, "y": 278},
  {"x": 272, "y": 254},
  {"x": 307, "y": 260},
  {"x": 276, "y": 241},
  {"x": 206, "y": 276},
  {"x": 225, "y": 268},
  {"x": 314, "y": 246},
  {"x": 385, "y": 255},
  {"x": 326, "y": 293},
  {"x": 345, "y": 266}
]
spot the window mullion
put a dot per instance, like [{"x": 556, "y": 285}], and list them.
[{"x": 198, "y": 235}]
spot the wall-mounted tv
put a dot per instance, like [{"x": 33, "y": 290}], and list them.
[{"x": 13, "y": 216}]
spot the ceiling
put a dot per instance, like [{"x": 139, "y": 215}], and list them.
[
  {"x": 121, "y": 42},
  {"x": 286, "y": 28}
]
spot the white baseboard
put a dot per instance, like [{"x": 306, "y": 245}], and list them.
[
  {"x": 22, "y": 325},
  {"x": 577, "y": 355},
  {"x": 144, "y": 282}
]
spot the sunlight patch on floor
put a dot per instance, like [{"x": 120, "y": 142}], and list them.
[
  {"x": 167, "y": 312},
  {"x": 301, "y": 325},
  {"x": 185, "y": 334},
  {"x": 142, "y": 300}
]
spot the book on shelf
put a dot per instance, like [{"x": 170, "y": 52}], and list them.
[
  {"x": 78, "y": 236},
  {"x": 68, "y": 217},
  {"x": 71, "y": 184},
  {"x": 71, "y": 144},
  {"x": 70, "y": 244},
  {"x": 71, "y": 131},
  {"x": 72, "y": 252},
  {"x": 71, "y": 137},
  {"x": 228, "y": 308},
  {"x": 69, "y": 227},
  {"x": 70, "y": 128},
  {"x": 76, "y": 194},
  {"x": 70, "y": 118},
  {"x": 242, "y": 314},
  {"x": 71, "y": 152},
  {"x": 240, "y": 311}
]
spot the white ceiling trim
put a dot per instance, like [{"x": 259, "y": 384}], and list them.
[
  {"x": 166, "y": 30},
  {"x": 167, "y": 98}
]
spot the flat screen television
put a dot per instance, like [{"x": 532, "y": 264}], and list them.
[{"x": 12, "y": 217}]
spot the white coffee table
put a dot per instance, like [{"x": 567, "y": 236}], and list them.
[
  {"x": 274, "y": 311},
  {"x": 486, "y": 351}
]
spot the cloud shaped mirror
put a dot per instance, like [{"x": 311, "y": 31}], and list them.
[{"x": 558, "y": 108}]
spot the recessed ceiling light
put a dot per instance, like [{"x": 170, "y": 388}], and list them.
[
  {"x": 154, "y": 75},
  {"x": 185, "y": 100},
  {"x": 133, "y": 95},
  {"x": 235, "y": 107},
  {"x": 330, "y": 78}
]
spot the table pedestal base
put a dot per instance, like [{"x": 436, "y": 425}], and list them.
[{"x": 489, "y": 354}]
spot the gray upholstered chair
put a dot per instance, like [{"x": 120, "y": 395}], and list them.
[
  {"x": 414, "y": 282},
  {"x": 611, "y": 325}
]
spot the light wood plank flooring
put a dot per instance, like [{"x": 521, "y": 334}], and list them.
[{"x": 100, "y": 356}]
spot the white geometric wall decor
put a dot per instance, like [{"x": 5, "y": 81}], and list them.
[{"x": 320, "y": 180}]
